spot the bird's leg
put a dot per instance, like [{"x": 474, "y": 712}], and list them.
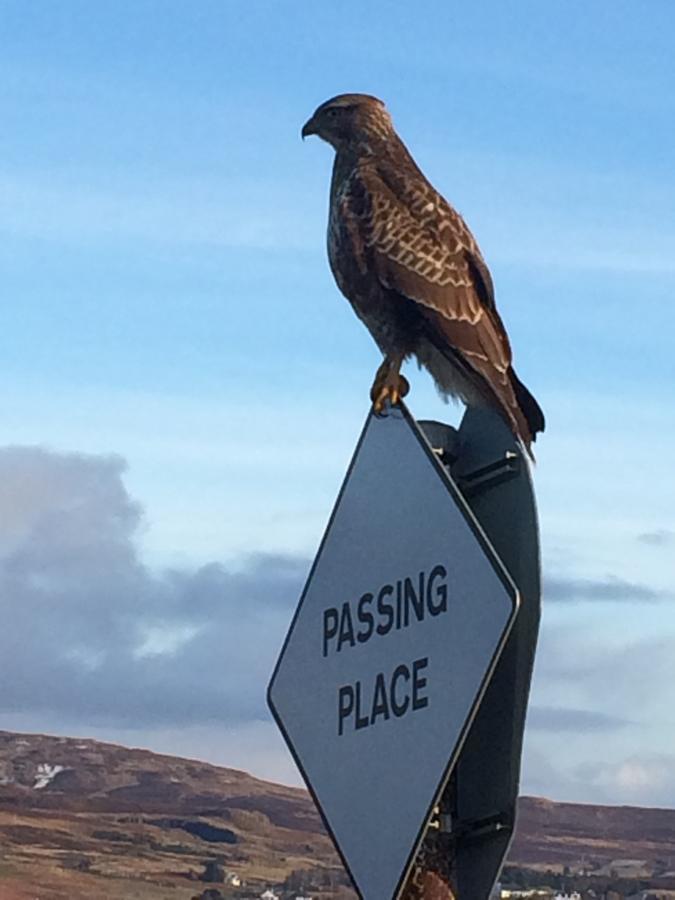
[{"x": 389, "y": 384}]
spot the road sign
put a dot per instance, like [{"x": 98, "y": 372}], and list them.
[{"x": 398, "y": 630}]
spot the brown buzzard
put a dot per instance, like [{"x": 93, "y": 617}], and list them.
[{"x": 412, "y": 270}]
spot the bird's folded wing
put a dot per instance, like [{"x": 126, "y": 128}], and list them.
[
  {"x": 430, "y": 210},
  {"x": 428, "y": 262}
]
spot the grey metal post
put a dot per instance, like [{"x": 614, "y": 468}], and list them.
[{"x": 488, "y": 465}]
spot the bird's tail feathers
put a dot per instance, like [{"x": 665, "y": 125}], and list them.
[
  {"x": 510, "y": 398},
  {"x": 529, "y": 407}
]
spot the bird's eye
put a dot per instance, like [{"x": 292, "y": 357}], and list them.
[{"x": 332, "y": 112}]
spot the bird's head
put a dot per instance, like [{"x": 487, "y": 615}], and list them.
[{"x": 350, "y": 121}]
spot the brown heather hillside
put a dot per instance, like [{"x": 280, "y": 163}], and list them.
[
  {"x": 81, "y": 819},
  {"x": 572, "y": 833}
]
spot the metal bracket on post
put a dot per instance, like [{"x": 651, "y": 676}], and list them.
[
  {"x": 478, "y": 803},
  {"x": 491, "y": 474}
]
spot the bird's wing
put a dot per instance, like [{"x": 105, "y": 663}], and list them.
[
  {"x": 431, "y": 211},
  {"x": 421, "y": 248}
]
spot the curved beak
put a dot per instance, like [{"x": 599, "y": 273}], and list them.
[{"x": 308, "y": 128}]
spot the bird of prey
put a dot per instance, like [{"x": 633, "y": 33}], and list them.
[{"x": 410, "y": 267}]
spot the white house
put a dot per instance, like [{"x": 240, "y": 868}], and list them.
[{"x": 523, "y": 894}]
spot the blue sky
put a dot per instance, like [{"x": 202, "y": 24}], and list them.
[{"x": 167, "y": 303}]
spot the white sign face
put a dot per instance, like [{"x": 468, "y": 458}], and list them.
[{"x": 399, "y": 627}]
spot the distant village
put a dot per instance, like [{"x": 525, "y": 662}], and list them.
[
  {"x": 267, "y": 894},
  {"x": 621, "y": 880},
  {"x": 301, "y": 884},
  {"x": 590, "y": 894}
]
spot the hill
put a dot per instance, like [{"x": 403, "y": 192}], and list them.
[{"x": 82, "y": 819}]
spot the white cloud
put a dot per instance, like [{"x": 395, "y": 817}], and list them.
[
  {"x": 646, "y": 779},
  {"x": 165, "y": 638},
  {"x": 639, "y": 779},
  {"x": 90, "y": 632},
  {"x": 601, "y": 715}
]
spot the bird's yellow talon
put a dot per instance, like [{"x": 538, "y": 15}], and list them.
[{"x": 389, "y": 387}]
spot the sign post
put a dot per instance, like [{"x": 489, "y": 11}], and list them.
[
  {"x": 474, "y": 834},
  {"x": 392, "y": 653}
]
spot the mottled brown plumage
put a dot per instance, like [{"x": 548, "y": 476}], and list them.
[{"x": 412, "y": 270}]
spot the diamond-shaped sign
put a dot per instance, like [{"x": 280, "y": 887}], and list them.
[{"x": 399, "y": 627}]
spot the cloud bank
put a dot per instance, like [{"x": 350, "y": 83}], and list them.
[
  {"x": 91, "y": 633},
  {"x": 96, "y": 642}
]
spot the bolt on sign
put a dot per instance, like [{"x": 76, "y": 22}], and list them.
[{"x": 395, "y": 637}]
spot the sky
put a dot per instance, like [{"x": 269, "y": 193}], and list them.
[{"x": 183, "y": 385}]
